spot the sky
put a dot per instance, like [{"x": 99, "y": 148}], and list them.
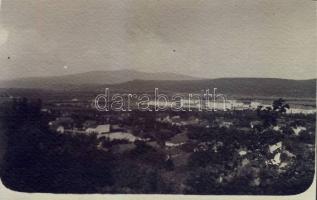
[{"x": 202, "y": 38}]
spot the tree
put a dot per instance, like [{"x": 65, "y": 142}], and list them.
[
  {"x": 280, "y": 106},
  {"x": 269, "y": 114},
  {"x": 162, "y": 136}
]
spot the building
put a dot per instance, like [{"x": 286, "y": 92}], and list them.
[{"x": 100, "y": 129}]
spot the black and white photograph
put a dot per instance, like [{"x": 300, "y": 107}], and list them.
[{"x": 158, "y": 97}]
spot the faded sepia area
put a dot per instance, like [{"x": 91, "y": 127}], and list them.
[
  {"x": 195, "y": 97},
  {"x": 204, "y": 38}
]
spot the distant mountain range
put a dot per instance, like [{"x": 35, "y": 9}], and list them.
[
  {"x": 264, "y": 87},
  {"x": 91, "y": 78},
  {"x": 135, "y": 81}
]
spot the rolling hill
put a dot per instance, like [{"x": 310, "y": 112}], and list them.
[
  {"x": 265, "y": 87},
  {"x": 136, "y": 82},
  {"x": 90, "y": 78}
]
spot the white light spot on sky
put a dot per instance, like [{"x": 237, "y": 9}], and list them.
[{"x": 65, "y": 67}]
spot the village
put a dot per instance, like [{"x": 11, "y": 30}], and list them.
[
  {"x": 221, "y": 149},
  {"x": 181, "y": 136}
]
